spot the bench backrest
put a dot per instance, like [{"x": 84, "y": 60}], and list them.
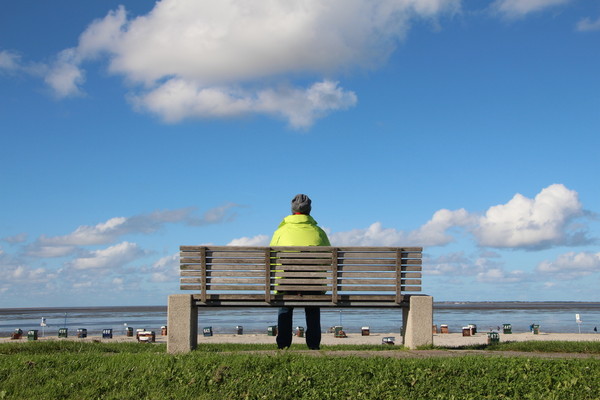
[{"x": 274, "y": 275}]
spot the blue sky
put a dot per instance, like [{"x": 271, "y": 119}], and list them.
[{"x": 129, "y": 128}]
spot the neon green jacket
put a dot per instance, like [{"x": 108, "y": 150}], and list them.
[{"x": 299, "y": 230}]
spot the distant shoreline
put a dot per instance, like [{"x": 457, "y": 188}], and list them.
[{"x": 436, "y": 305}]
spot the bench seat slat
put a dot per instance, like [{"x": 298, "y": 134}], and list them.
[
  {"x": 259, "y": 297},
  {"x": 302, "y": 261},
  {"x": 350, "y": 281},
  {"x": 352, "y": 274},
  {"x": 253, "y": 261},
  {"x": 235, "y": 267},
  {"x": 255, "y": 274},
  {"x": 221, "y": 254},
  {"x": 344, "y": 272},
  {"x": 304, "y": 274},
  {"x": 258, "y": 287},
  {"x": 224, "y": 274},
  {"x": 347, "y": 261},
  {"x": 373, "y": 288},
  {"x": 386, "y": 288},
  {"x": 257, "y": 281},
  {"x": 288, "y": 281},
  {"x": 377, "y": 262},
  {"x": 367, "y": 268},
  {"x": 317, "y": 268},
  {"x": 230, "y": 253},
  {"x": 217, "y": 281},
  {"x": 213, "y": 281},
  {"x": 192, "y": 260},
  {"x": 294, "y": 254},
  {"x": 378, "y": 255},
  {"x": 196, "y": 267}
]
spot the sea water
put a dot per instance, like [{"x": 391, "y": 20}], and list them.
[{"x": 555, "y": 317}]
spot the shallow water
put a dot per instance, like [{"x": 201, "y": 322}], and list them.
[{"x": 558, "y": 317}]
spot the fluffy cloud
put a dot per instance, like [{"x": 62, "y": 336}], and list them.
[
  {"x": 499, "y": 275},
  {"x": 65, "y": 77},
  {"x": 19, "y": 238},
  {"x": 12, "y": 63},
  {"x": 258, "y": 240},
  {"x": 9, "y": 61},
  {"x": 588, "y": 25},
  {"x": 451, "y": 264},
  {"x": 166, "y": 269},
  {"x": 112, "y": 257},
  {"x": 374, "y": 235},
  {"x": 544, "y": 221},
  {"x": 111, "y": 230},
  {"x": 534, "y": 223},
  {"x": 22, "y": 273},
  {"x": 484, "y": 268},
  {"x": 178, "y": 99},
  {"x": 571, "y": 265},
  {"x": 215, "y": 59},
  {"x": 433, "y": 233},
  {"x": 520, "y": 8}
]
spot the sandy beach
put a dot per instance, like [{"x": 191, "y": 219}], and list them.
[{"x": 445, "y": 340}]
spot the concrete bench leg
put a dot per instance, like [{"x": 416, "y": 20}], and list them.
[
  {"x": 418, "y": 320},
  {"x": 182, "y": 321}
]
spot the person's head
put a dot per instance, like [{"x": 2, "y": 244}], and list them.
[{"x": 301, "y": 204}]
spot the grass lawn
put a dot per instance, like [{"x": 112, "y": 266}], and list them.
[{"x": 76, "y": 370}]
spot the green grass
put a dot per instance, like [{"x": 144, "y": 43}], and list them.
[
  {"x": 76, "y": 370},
  {"x": 539, "y": 346}
]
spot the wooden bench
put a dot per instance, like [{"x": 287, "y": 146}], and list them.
[{"x": 335, "y": 277}]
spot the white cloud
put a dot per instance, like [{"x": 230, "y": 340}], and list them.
[
  {"x": 195, "y": 58},
  {"x": 258, "y": 240},
  {"x": 109, "y": 231},
  {"x": 177, "y": 99},
  {"x": 534, "y": 223},
  {"x": 374, "y": 235},
  {"x": 65, "y": 77},
  {"x": 112, "y": 257},
  {"x": 85, "y": 235},
  {"x": 434, "y": 232},
  {"x": 520, "y": 8},
  {"x": 166, "y": 269},
  {"x": 50, "y": 251},
  {"x": 19, "y": 238},
  {"x": 545, "y": 221},
  {"x": 571, "y": 265},
  {"x": 452, "y": 264},
  {"x": 12, "y": 63},
  {"x": 588, "y": 25},
  {"x": 24, "y": 274},
  {"x": 500, "y": 275},
  {"x": 215, "y": 215},
  {"x": 9, "y": 61},
  {"x": 483, "y": 268}
]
